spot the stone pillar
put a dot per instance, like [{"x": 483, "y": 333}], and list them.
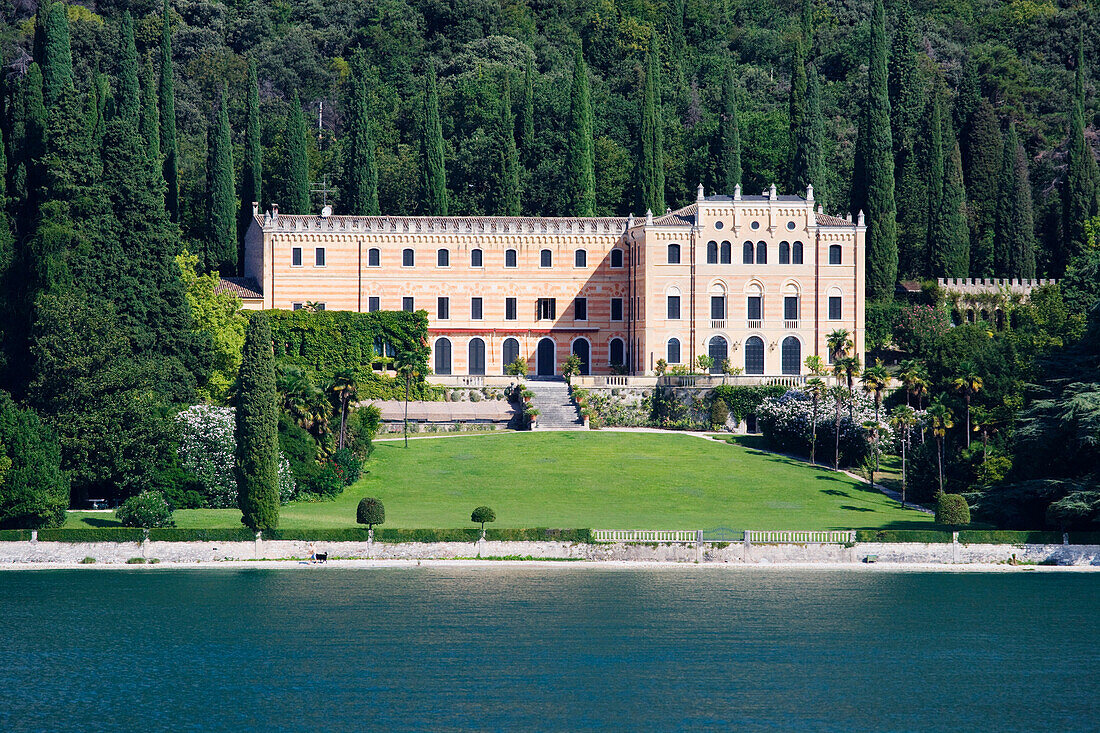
[
  {"x": 259, "y": 546},
  {"x": 954, "y": 547}
]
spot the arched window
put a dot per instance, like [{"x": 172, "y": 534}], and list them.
[
  {"x": 510, "y": 258},
  {"x": 511, "y": 351},
  {"x": 546, "y": 258},
  {"x": 673, "y": 254},
  {"x": 616, "y": 258},
  {"x": 712, "y": 253},
  {"x": 834, "y": 254},
  {"x": 784, "y": 253},
  {"x": 408, "y": 257},
  {"x": 581, "y": 349},
  {"x": 673, "y": 351},
  {"x": 477, "y": 258},
  {"x": 580, "y": 258},
  {"x": 443, "y": 258},
  {"x": 746, "y": 253},
  {"x": 796, "y": 253},
  {"x": 761, "y": 253},
  {"x": 477, "y": 356},
  {"x": 792, "y": 355},
  {"x": 726, "y": 256},
  {"x": 754, "y": 355},
  {"x": 374, "y": 257},
  {"x": 443, "y": 356},
  {"x": 718, "y": 351},
  {"x": 616, "y": 354},
  {"x": 717, "y": 302}
]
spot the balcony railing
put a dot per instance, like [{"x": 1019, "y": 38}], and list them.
[
  {"x": 755, "y": 323},
  {"x": 787, "y": 323},
  {"x": 717, "y": 324}
]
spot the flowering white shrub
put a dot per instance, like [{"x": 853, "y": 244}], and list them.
[
  {"x": 787, "y": 423},
  {"x": 287, "y": 490}
]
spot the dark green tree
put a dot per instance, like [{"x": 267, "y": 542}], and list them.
[
  {"x": 150, "y": 116},
  {"x": 1079, "y": 188},
  {"x": 906, "y": 94},
  {"x": 297, "y": 163},
  {"x": 508, "y": 178},
  {"x": 932, "y": 164},
  {"x": 728, "y": 148},
  {"x": 221, "y": 198},
  {"x": 359, "y": 187},
  {"x": 857, "y": 198},
  {"x": 1014, "y": 230},
  {"x": 525, "y": 124},
  {"x": 257, "y": 430},
  {"x": 34, "y": 491},
  {"x": 252, "y": 165},
  {"x": 809, "y": 151},
  {"x": 913, "y": 209},
  {"x": 128, "y": 98},
  {"x": 949, "y": 253},
  {"x": 434, "y": 177},
  {"x": 985, "y": 143},
  {"x": 581, "y": 160},
  {"x": 57, "y": 62},
  {"x": 32, "y": 147},
  {"x": 167, "y": 97},
  {"x": 797, "y": 109},
  {"x": 882, "y": 245},
  {"x": 652, "y": 157},
  {"x": 967, "y": 100}
]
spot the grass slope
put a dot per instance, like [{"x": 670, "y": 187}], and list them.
[{"x": 596, "y": 479}]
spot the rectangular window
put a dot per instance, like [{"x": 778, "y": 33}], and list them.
[
  {"x": 790, "y": 308},
  {"x": 475, "y": 309},
  {"x": 296, "y": 306},
  {"x": 835, "y": 310},
  {"x": 580, "y": 309},
  {"x": 318, "y": 306},
  {"x": 510, "y": 258},
  {"x": 546, "y": 258},
  {"x": 408, "y": 258},
  {"x": 443, "y": 308},
  {"x": 755, "y": 308},
  {"x": 674, "y": 307},
  {"x": 319, "y": 257},
  {"x": 374, "y": 257},
  {"x": 407, "y": 305},
  {"x": 373, "y": 304},
  {"x": 717, "y": 307},
  {"x": 296, "y": 257},
  {"x": 546, "y": 309},
  {"x": 510, "y": 309},
  {"x": 616, "y": 309}
]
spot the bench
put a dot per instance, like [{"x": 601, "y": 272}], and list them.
[{"x": 98, "y": 503}]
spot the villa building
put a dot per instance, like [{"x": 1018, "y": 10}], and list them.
[{"x": 759, "y": 281}]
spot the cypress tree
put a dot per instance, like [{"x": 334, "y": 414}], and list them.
[
  {"x": 905, "y": 86},
  {"x": 950, "y": 239},
  {"x": 57, "y": 59},
  {"x": 932, "y": 164},
  {"x": 1014, "y": 233},
  {"x": 434, "y": 179},
  {"x": 966, "y": 104},
  {"x": 797, "y": 114},
  {"x": 582, "y": 156},
  {"x": 882, "y": 245},
  {"x": 857, "y": 199},
  {"x": 525, "y": 128},
  {"x": 728, "y": 153},
  {"x": 359, "y": 189},
  {"x": 221, "y": 202},
  {"x": 508, "y": 195},
  {"x": 128, "y": 98},
  {"x": 807, "y": 28},
  {"x": 913, "y": 216},
  {"x": 809, "y": 157},
  {"x": 150, "y": 116},
  {"x": 97, "y": 108},
  {"x": 653, "y": 136},
  {"x": 251, "y": 168},
  {"x": 1079, "y": 200},
  {"x": 297, "y": 160},
  {"x": 257, "y": 429},
  {"x": 7, "y": 261},
  {"x": 984, "y": 141},
  {"x": 32, "y": 147},
  {"x": 167, "y": 97}
]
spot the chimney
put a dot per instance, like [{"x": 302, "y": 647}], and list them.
[
  {"x": 771, "y": 192},
  {"x": 630, "y": 221},
  {"x": 699, "y": 195},
  {"x": 255, "y": 209},
  {"x": 809, "y": 192},
  {"x": 648, "y": 217},
  {"x": 737, "y": 192},
  {"x": 275, "y": 211}
]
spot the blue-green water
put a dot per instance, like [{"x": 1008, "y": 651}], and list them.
[{"x": 548, "y": 648}]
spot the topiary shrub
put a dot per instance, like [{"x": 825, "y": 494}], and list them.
[
  {"x": 952, "y": 510},
  {"x": 147, "y": 509},
  {"x": 370, "y": 512},
  {"x": 483, "y": 514},
  {"x": 719, "y": 414}
]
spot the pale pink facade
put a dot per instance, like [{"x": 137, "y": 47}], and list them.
[{"x": 616, "y": 291}]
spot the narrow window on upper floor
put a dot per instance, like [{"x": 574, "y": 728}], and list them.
[
  {"x": 796, "y": 253},
  {"x": 509, "y": 309},
  {"x": 616, "y": 258},
  {"x": 296, "y": 306},
  {"x": 746, "y": 253},
  {"x": 476, "y": 311},
  {"x": 718, "y": 307},
  {"x": 319, "y": 257},
  {"x": 374, "y": 257},
  {"x": 407, "y": 305},
  {"x": 673, "y": 254},
  {"x": 790, "y": 308},
  {"x": 673, "y": 307},
  {"x": 296, "y": 257},
  {"x": 546, "y": 258},
  {"x": 443, "y": 258},
  {"x": 616, "y": 309},
  {"x": 373, "y": 304},
  {"x": 712, "y": 253},
  {"x": 755, "y": 308},
  {"x": 408, "y": 258},
  {"x": 834, "y": 254},
  {"x": 443, "y": 308},
  {"x": 580, "y": 258},
  {"x": 761, "y": 253},
  {"x": 546, "y": 309},
  {"x": 580, "y": 309},
  {"x": 476, "y": 258},
  {"x": 836, "y": 310},
  {"x": 510, "y": 258},
  {"x": 784, "y": 253},
  {"x": 726, "y": 256}
]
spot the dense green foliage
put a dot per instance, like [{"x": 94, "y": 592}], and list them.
[
  {"x": 370, "y": 512},
  {"x": 257, "y": 430},
  {"x": 743, "y": 400},
  {"x": 951, "y": 509},
  {"x": 147, "y": 509},
  {"x": 34, "y": 491},
  {"x": 881, "y": 210}
]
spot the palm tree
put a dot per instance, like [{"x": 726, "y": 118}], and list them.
[
  {"x": 838, "y": 395},
  {"x": 942, "y": 421},
  {"x": 410, "y": 363},
  {"x": 345, "y": 383},
  {"x": 876, "y": 379},
  {"x": 911, "y": 374},
  {"x": 816, "y": 389},
  {"x": 902, "y": 419},
  {"x": 849, "y": 368},
  {"x": 968, "y": 385},
  {"x": 839, "y": 343},
  {"x": 301, "y": 400}
]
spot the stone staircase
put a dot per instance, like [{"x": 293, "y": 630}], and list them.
[{"x": 557, "y": 411}]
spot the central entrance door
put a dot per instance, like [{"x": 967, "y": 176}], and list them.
[
  {"x": 546, "y": 358},
  {"x": 580, "y": 348}
]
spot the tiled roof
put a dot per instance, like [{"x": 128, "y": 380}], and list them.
[
  {"x": 550, "y": 224},
  {"x": 763, "y": 197},
  {"x": 684, "y": 216},
  {"x": 245, "y": 288},
  {"x": 826, "y": 220}
]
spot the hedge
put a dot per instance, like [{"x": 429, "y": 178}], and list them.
[
  {"x": 93, "y": 534},
  {"x": 1008, "y": 537},
  {"x": 1084, "y": 538},
  {"x": 742, "y": 400},
  {"x": 176, "y": 534},
  {"x": 903, "y": 535},
  {"x": 14, "y": 535},
  {"x": 470, "y": 534}
]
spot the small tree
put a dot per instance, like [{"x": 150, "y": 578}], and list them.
[
  {"x": 942, "y": 420},
  {"x": 902, "y": 419},
  {"x": 483, "y": 514},
  {"x": 517, "y": 368},
  {"x": 661, "y": 368},
  {"x": 719, "y": 414},
  {"x": 704, "y": 362},
  {"x": 370, "y": 512},
  {"x": 816, "y": 389},
  {"x": 571, "y": 367},
  {"x": 952, "y": 510},
  {"x": 148, "y": 509}
]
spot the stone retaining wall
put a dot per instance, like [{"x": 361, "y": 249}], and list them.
[{"x": 738, "y": 552}]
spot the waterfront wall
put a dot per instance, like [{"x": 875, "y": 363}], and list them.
[{"x": 738, "y": 552}]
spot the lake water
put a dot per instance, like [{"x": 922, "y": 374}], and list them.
[{"x": 548, "y": 648}]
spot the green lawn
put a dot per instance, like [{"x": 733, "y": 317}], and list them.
[{"x": 596, "y": 479}]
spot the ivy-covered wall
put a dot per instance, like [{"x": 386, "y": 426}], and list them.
[{"x": 744, "y": 399}]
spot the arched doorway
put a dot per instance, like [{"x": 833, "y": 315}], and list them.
[
  {"x": 545, "y": 367},
  {"x": 511, "y": 352},
  {"x": 718, "y": 351},
  {"x": 443, "y": 356},
  {"x": 477, "y": 356},
  {"x": 792, "y": 355},
  {"x": 617, "y": 353},
  {"x": 754, "y": 355},
  {"x": 580, "y": 348}
]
